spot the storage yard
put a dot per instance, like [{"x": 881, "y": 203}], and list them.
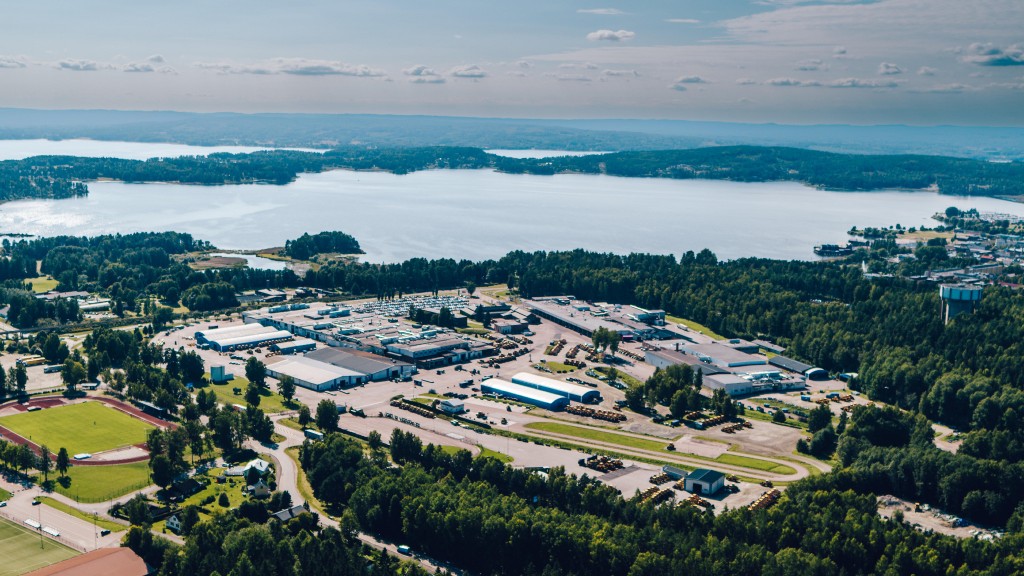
[{"x": 364, "y": 355}]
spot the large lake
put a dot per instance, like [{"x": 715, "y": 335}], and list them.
[{"x": 478, "y": 214}]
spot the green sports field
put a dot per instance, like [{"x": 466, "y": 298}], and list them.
[
  {"x": 19, "y": 548},
  {"x": 86, "y": 427}
]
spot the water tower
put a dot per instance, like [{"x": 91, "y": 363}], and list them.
[{"x": 957, "y": 299}]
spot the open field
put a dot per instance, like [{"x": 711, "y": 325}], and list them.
[
  {"x": 496, "y": 455},
  {"x": 270, "y": 402},
  {"x": 102, "y": 483},
  {"x": 101, "y": 522},
  {"x": 21, "y": 552},
  {"x": 755, "y": 464},
  {"x": 86, "y": 427},
  {"x": 598, "y": 435},
  {"x": 4, "y": 494},
  {"x": 305, "y": 490},
  {"x": 695, "y": 326},
  {"x": 556, "y": 367},
  {"x": 41, "y": 284}
]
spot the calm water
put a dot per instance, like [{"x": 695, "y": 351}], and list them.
[
  {"x": 483, "y": 214},
  {"x": 253, "y": 261},
  {"x": 480, "y": 214},
  {"x": 540, "y": 153},
  {"x": 19, "y": 149}
]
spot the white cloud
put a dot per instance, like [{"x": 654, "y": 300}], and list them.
[
  {"x": 611, "y": 35},
  {"x": 421, "y": 74},
  {"x": 138, "y": 67},
  {"x": 955, "y": 88},
  {"x": 633, "y": 73},
  {"x": 467, "y": 71},
  {"x": 683, "y": 20},
  {"x": 926, "y": 71},
  {"x": 156, "y": 59},
  {"x": 889, "y": 69},
  {"x": 295, "y": 67},
  {"x": 12, "y": 62},
  {"x": 791, "y": 82},
  {"x": 517, "y": 73},
  {"x": 745, "y": 81},
  {"x": 524, "y": 64},
  {"x": 811, "y": 65},
  {"x": 678, "y": 87},
  {"x": 78, "y": 65},
  {"x": 988, "y": 54},
  {"x": 691, "y": 80},
  {"x": 600, "y": 11},
  {"x": 862, "y": 83},
  {"x": 838, "y": 51},
  {"x": 570, "y": 77}
]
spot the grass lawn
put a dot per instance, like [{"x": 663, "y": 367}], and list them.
[
  {"x": 270, "y": 402},
  {"x": 102, "y": 483},
  {"x": 86, "y": 427},
  {"x": 496, "y": 455},
  {"x": 696, "y": 327},
  {"x": 21, "y": 551},
  {"x": 556, "y": 367},
  {"x": 599, "y": 436},
  {"x": 41, "y": 284},
  {"x": 4, "y": 494},
  {"x": 792, "y": 423},
  {"x": 305, "y": 489},
  {"x": 620, "y": 376},
  {"x": 101, "y": 522},
  {"x": 755, "y": 464}
]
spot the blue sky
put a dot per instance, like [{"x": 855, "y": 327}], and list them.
[{"x": 786, "y": 61}]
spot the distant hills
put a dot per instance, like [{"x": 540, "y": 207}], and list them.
[
  {"x": 63, "y": 176},
  {"x": 336, "y": 130}
]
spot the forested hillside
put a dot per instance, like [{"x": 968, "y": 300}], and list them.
[{"x": 62, "y": 176}]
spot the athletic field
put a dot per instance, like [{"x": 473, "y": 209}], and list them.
[
  {"x": 86, "y": 427},
  {"x": 20, "y": 551}
]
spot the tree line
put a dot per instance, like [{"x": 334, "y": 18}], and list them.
[{"x": 63, "y": 176}]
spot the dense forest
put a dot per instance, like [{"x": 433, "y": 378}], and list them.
[
  {"x": 306, "y": 246},
  {"x": 967, "y": 374},
  {"x": 492, "y": 519},
  {"x": 62, "y": 176}
]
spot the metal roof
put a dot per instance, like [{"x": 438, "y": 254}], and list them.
[
  {"x": 564, "y": 389},
  {"x": 525, "y": 393},
  {"x": 789, "y": 364},
  {"x": 705, "y": 475},
  {"x": 309, "y": 370},
  {"x": 364, "y": 363}
]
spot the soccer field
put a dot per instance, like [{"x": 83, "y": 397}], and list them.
[
  {"x": 86, "y": 427},
  {"x": 20, "y": 551}
]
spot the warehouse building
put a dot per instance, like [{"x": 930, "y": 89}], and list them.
[
  {"x": 807, "y": 370},
  {"x": 564, "y": 389},
  {"x": 315, "y": 375},
  {"x": 451, "y": 406},
  {"x": 373, "y": 366},
  {"x": 525, "y": 394},
  {"x": 732, "y": 385},
  {"x": 723, "y": 355},
  {"x": 665, "y": 358},
  {"x": 295, "y": 346},
  {"x": 241, "y": 337},
  {"x": 704, "y": 481}
]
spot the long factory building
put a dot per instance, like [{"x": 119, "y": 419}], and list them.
[
  {"x": 241, "y": 337},
  {"x": 540, "y": 398},
  {"x": 566, "y": 390}
]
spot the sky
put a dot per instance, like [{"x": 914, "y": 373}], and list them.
[{"x": 922, "y": 62}]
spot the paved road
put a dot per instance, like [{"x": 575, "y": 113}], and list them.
[
  {"x": 74, "y": 532},
  {"x": 287, "y": 479}
]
